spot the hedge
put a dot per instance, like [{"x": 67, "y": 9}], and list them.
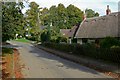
[{"x": 106, "y": 54}]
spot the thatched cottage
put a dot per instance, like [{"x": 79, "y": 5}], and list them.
[{"x": 92, "y": 29}]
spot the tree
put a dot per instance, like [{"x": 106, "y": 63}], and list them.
[
  {"x": 33, "y": 20},
  {"x": 61, "y": 17},
  {"x": 45, "y": 37},
  {"x": 75, "y": 15},
  {"x": 12, "y": 20},
  {"x": 90, "y": 13},
  {"x": 44, "y": 16}
]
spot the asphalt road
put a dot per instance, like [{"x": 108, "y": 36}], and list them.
[{"x": 41, "y": 64}]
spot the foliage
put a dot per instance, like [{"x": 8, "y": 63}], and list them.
[
  {"x": 32, "y": 18},
  {"x": 115, "y": 46},
  {"x": 74, "y": 15},
  {"x": 90, "y": 13},
  {"x": 108, "y": 42},
  {"x": 54, "y": 18},
  {"x": 44, "y": 17},
  {"x": 61, "y": 39},
  {"x": 12, "y": 20},
  {"x": 88, "y": 50},
  {"x": 51, "y": 37},
  {"x": 61, "y": 17},
  {"x": 7, "y": 50},
  {"x": 31, "y": 38},
  {"x": 45, "y": 36},
  {"x": 34, "y": 37}
]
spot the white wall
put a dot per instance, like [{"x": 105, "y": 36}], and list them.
[{"x": 79, "y": 41}]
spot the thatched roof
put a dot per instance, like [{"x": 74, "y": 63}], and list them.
[
  {"x": 100, "y": 27},
  {"x": 70, "y": 33},
  {"x": 64, "y": 32}
]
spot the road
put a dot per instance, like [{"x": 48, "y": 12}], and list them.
[{"x": 41, "y": 64}]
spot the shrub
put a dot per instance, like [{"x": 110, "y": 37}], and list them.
[
  {"x": 88, "y": 50},
  {"x": 108, "y": 42},
  {"x": 115, "y": 47},
  {"x": 32, "y": 38},
  {"x": 61, "y": 39}
]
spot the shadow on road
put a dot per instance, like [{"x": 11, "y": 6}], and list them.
[{"x": 66, "y": 63}]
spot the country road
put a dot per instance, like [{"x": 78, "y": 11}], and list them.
[{"x": 41, "y": 64}]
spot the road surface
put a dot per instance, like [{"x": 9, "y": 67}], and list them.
[{"x": 41, "y": 64}]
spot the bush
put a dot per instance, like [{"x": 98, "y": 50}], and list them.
[
  {"x": 45, "y": 37},
  {"x": 31, "y": 38},
  {"x": 108, "y": 42},
  {"x": 61, "y": 39},
  {"x": 88, "y": 50},
  {"x": 115, "y": 47}
]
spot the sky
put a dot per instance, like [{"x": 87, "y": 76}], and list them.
[{"x": 97, "y": 5}]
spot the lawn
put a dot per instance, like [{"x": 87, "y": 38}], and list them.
[{"x": 23, "y": 40}]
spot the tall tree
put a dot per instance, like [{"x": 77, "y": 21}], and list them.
[
  {"x": 90, "y": 13},
  {"x": 33, "y": 21},
  {"x": 63, "y": 18},
  {"x": 12, "y": 20},
  {"x": 44, "y": 16},
  {"x": 62, "y": 14},
  {"x": 32, "y": 17},
  {"x": 75, "y": 15}
]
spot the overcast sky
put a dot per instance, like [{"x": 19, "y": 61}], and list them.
[{"x": 97, "y": 5}]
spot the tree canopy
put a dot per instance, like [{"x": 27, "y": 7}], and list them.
[
  {"x": 90, "y": 13},
  {"x": 32, "y": 17},
  {"x": 62, "y": 17},
  {"x": 12, "y": 20},
  {"x": 53, "y": 19}
]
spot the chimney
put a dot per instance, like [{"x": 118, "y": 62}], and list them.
[
  {"x": 108, "y": 11},
  {"x": 85, "y": 16}
]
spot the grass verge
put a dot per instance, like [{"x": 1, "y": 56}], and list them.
[{"x": 23, "y": 40}]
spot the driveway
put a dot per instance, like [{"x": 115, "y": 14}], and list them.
[{"x": 41, "y": 64}]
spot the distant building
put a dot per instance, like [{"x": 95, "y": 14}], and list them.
[
  {"x": 69, "y": 33},
  {"x": 65, "y": 32}
]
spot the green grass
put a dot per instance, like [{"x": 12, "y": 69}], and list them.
[
  {"x": 23, "y": 40},
  {"x": 6, "y": 51}
]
